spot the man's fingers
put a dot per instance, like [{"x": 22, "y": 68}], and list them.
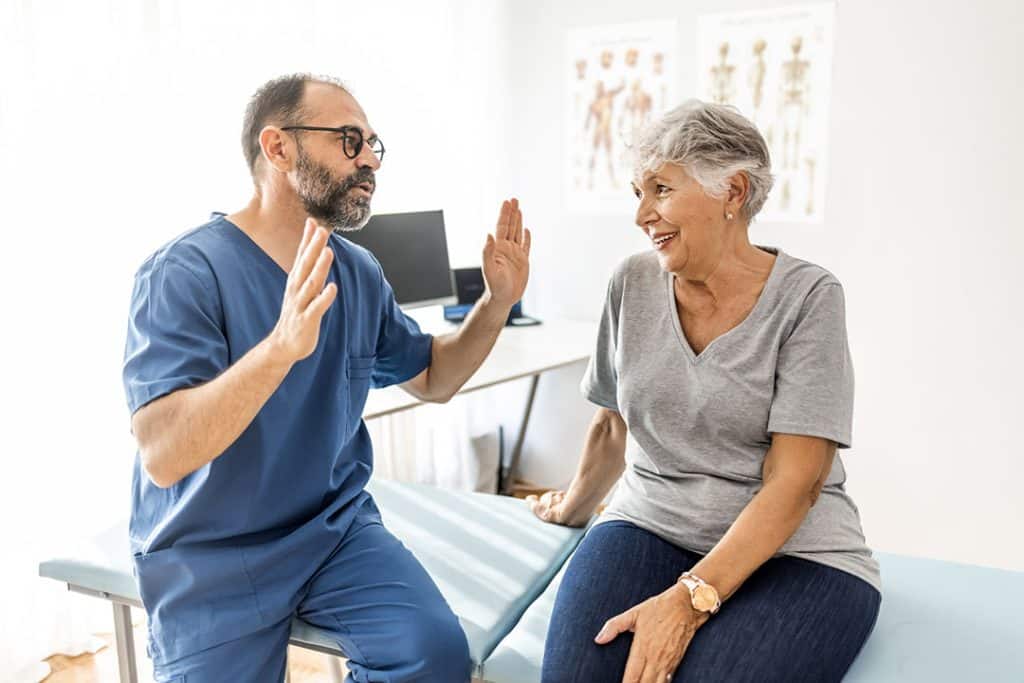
[
  {"x": 314, "y": 283},
  {"x": 517, "y": 223},
  {"x": 307, "y": 232},
  {"x": 502, "y": 227},
  {"x": 488, "y": 247},
  {"x": 527, "y": 240},
  {"x": 322, "y": 302},
  {"x": 307, "y": 260}
]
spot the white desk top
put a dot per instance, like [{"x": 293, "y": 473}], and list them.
[{"x": 519, "y": 352}]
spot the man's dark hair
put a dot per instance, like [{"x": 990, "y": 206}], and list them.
[{"x": 278, "y": 102}]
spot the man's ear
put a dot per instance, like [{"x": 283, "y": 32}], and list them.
[{"x": 278, "y": 149}]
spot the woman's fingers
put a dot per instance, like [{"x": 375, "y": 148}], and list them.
[
  {"x": 539, "y": 507},
  {"x": 614, "y": 626},
  {"x": 545, "y": 506},
  {"x": 652, "y": 673},
  {"x": 634, "y": 672}
]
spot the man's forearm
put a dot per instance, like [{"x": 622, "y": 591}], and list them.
[
  {"x": 455, "y": 357},
  {"x": 181, "y": 432}
]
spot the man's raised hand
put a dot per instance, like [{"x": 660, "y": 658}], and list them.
[{"x": 306, "y": 298}]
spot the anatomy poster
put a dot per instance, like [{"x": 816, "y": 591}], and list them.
[
  {"x": 775, "y": 66},
  {"x": 618, "y": 78}
]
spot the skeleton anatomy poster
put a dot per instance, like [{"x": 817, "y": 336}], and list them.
[
  {"x": 775, "y": 66},
  {"x": 618, "y": 77}
]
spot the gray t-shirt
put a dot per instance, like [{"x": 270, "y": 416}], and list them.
[{"x": 701, "y": 425}]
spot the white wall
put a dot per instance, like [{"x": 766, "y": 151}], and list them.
[{"x": 923, "y": 227}]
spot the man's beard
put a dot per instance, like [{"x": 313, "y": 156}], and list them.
[{"x": 330, "y": 201}]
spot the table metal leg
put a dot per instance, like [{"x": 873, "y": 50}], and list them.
[
  {"x": 125, "y": 639},
  {"x": 508, "y": 479}
]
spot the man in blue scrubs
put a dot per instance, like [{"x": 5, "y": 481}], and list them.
[{"x": 252, "y": 343}]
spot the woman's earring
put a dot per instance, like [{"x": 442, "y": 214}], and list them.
[{"x": 728, "y": 216}]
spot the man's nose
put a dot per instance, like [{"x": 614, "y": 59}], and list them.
[{"x": 367, "y": 158}]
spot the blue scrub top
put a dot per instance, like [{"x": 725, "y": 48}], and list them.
[{"x": 224, "y": 551}]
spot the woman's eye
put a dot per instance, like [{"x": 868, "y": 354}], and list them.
[{"x": 661, "y": 190}]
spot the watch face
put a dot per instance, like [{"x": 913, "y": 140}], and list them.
[{"x": 704, "y": 598}]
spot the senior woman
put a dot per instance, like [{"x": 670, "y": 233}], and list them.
[{"x": 728, "y": 365}]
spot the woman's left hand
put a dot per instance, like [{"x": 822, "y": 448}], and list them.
[{"x": 662, "y": 628}]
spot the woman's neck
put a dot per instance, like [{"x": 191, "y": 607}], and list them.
[{"x": 736, "y": 271}]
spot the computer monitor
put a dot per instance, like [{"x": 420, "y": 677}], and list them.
[{"x": 413, "y": 251}]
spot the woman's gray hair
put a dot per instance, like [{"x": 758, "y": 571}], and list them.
[{"x": 712, "y": 142}]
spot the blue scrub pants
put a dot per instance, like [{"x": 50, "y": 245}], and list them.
[
  {"x": 379, "y": 604},
  {"x": 792, "y": 620}
]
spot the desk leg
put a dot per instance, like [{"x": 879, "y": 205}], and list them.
[
  {"x": 508, "y": 478},
  {"x": 125, "y": 639}
]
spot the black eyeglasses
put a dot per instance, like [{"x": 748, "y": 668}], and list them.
[{"x": 352, "y": 139}]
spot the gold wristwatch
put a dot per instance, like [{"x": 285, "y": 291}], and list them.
[{"x": 703, "y": 595}]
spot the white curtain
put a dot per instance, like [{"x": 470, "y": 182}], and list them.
[{"x": 454, "y": 445}]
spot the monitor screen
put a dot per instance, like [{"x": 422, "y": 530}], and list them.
[{"x": 413, "y": 251}]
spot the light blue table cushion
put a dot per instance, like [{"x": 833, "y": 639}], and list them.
[
  {"x": 488, "y": 554},
  {"x": 931, "y": 627},
  {"x": 928, "y": 629}
]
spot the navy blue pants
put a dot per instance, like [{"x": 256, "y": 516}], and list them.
[
  {"x": 379, "y": 604},
  {"x": 792, "y": 620}
]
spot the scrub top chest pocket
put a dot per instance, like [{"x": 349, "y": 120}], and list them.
[{"x": 359, "y": 371}]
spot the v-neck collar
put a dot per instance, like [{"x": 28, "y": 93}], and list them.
[
  {"x": 697, "y": 358},
  {"x": 258, "y": 251}
]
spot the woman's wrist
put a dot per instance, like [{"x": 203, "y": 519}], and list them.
[
  {"x": 575, "y": 508},
  {"x": 681, "y": 594}
]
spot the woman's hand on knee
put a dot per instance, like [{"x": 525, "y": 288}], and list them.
[{"x": 662, "y": 628}]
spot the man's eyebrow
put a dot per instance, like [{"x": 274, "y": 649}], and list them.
[
  {"x": 367, "y": 134},
  {"x": 354, "y": 126}
]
